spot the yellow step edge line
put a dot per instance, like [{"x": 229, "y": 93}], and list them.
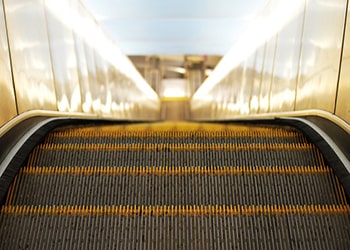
[
  {"x": 12, "y": 190},
  {"x": 155, "y": 147},
  {"x": 341, "y": 192},
  {"x": 171, "y": 128},
  {"x": 178, "y": 126},
  {"x": 33, "y": 170},
  {"x": 175, "y": 99},
  {"x": 178, "y": 134},
  {"x": 176, "y": 210}
]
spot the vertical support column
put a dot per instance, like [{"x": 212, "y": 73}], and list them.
[
  {"x": 153, "y": 72},
  {"x": 195, "y": 66}
]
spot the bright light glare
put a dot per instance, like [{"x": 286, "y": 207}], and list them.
[
  {"x": 275, "y": 15},
  {"x": 75, "y": 17},
  {"x": 254, "y": 103},
  {"x": 174, "y": 88}
]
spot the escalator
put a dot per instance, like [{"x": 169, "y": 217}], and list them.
[{"x": 175, "y": 186}]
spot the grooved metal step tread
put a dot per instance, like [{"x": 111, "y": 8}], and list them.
[
  {"x": 175, "y": 185},
  {"x": 157, "y": 186}
]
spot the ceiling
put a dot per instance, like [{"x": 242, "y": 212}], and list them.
[{"x": 174, "y": 27}]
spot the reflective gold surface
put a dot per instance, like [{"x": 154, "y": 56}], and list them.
[
  {"x": 319, "y": 62},
  {"x": 86, "y": 98},
  {"x": 285, "y": 77},
  {"x": 255, "y": 55},
  {"x": 267, "y": 74},
  {"x": 31, "y": 63},
  {"x": 8, "y": 102},
  {"x": 64, "y": 62},
  {"x": 79, "y": 44},
  {"x": 343, "y": 101},
  {"x": 99, "y": 93},
  {"x": 257, "y": 75},
  {"x": 91, "y": 68},
  {"x": 291, "y": 65}
]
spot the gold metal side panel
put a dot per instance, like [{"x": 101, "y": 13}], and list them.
[
  {"x": 61, "y": 19},
  {"x": 7, "y": 95},
  {"x": 343, "y": 102},
  {"x": 319, "y": 65},
  {"x": 285, "y": 77},
  {"x": 32, "y": 70}
]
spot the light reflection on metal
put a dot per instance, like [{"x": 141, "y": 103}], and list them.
[
  {"x": 299, "y": 72},
  {"x": 31, "y": 64},
  {"x": 343, "y": 103},
  {"x": 91, "y": 75},
  {"x": 270, "y": 21},
  {"x": 319, "y": 66},
  {"x": 8, "y": 102},
  {"x": 63, "y": 55}
]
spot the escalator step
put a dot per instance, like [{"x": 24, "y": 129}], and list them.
[
  {"x": 175, "y": 185},
  {"x": 156, "y": 228},
  {"x": 137, "y": 136},
  {"x": 175, "y": 155},
  {"x": 157, "y": 186}
]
